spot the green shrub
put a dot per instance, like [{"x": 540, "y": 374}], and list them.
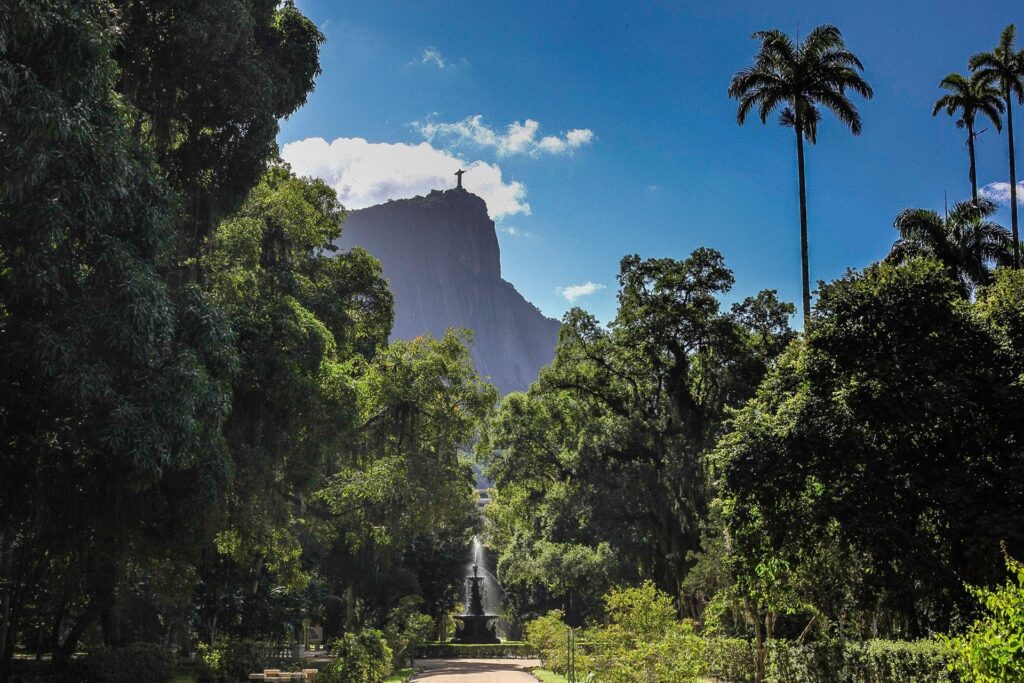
[
  {"x": 729, "y": 659},
  {"x": 131, "y": 664},
  {"x": 231, "y": 660},
  {"x": 548, "y": 637},
  {"x": 362, "y": 657},
  {"x": 507, "y": 649},
  {"x": 858, "y": 662},
  {"x": 407, "y": 628},
  {"x": 992, "y": 650},
  {"x": 643, "y": 641}
]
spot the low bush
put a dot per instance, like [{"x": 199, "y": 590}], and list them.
[
  {"x": 547, "y": 637},
  {"x": 508, "y": 649},
  {"x": 231, "y": 660},
  {"x": 992, "y": 650},
  {"x": 130, "y": 664},
  {"x": 362, "y": 657},
  {"x": 858, "y": 662},
  {"x": 643, "y": 641}
]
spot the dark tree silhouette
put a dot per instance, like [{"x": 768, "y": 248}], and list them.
[
  {"x": 801, "y": 77},
  {"x": 1004, "y": 66},
  {"x": 970, "y": 96},
  {"x": 966, "y": 242}
]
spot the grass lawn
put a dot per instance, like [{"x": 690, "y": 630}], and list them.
[
  {"x": 399, "y": 676},
  {"x": 547, "y": 676}
]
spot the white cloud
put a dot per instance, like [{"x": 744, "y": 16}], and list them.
[
  {"x": 1000, "y": 192},
  {"x": 513, "y": 231},
  {"x": 577, "y": 137},
  {"x": 367, "y": 173},
  {"x": 431, "y": 55},
  {"x": 517, "y": 138},
  {"x": 573, "y": 292}
]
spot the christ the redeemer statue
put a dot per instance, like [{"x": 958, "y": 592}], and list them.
[{"x": 459, "y": 175}]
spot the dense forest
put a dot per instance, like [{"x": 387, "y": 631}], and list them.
[{"x": 209, "y": 443}]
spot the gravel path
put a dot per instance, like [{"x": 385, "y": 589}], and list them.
[{"x": 475, "y": 670}]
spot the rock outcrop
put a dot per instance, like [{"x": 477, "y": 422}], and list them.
[{"x": 440, "y": 254}]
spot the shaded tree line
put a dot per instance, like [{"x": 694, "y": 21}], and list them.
[{"x": 205, "y": 430}]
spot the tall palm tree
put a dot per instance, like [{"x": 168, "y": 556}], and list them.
[
  {"x": 1004, "y": 66},
  {"x": 801, "y": 77},
  {"x": 965, "y": 241},
  {"x": 970, "y": 96}
]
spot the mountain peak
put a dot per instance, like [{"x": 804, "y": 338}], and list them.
[{"x": 441, "y": 257}]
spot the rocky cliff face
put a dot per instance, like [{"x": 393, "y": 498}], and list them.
[{"x": 440, "y": 254}]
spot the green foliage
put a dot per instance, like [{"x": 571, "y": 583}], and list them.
[
  {"x": 447, "y": 649},
  {"x": 858, "y": 662},
  {"x": 600, "y": 468},
  {"x": 115, "y": 371},
  {"x": 233, "y": 659},
  {"x": 548, "y": 637},
  {"x": 407, "y": 627},
  {"x": 881, "y": 452},
  {"x": 992, "y": 649},
  {"x": 643, "y": 640},
  {"x": 729, "y": 659},
  {"x": 419, "y": 403},
  {"x": 362, "y": 657},
  {"x": 130, "y": 664}
]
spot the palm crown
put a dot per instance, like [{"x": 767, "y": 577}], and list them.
[
  {"x": 966, "y": 241},
  {"x": 803, "y": 77},
  {"x": 1003, "y": 66},
  {"x": 970, "y": 97}
]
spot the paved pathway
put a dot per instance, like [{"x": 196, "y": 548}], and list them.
[{"x": 475, "y": 670}]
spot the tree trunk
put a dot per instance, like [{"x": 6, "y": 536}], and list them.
[
  {"x": 804, "y": 256},
  {"x": 1013, "y": 181},
  {"x": 970, "y": 151},
  {"x": 759, "y": 644}
]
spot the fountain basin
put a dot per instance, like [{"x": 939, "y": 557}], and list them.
[{"x": 477, "y": 629}]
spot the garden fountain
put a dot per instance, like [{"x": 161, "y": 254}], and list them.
[{"x": 477, "y": 626}]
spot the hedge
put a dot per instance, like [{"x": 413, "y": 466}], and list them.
[
  {"x": 872, "y": 661},
  {"x": 442, "y": 650}
]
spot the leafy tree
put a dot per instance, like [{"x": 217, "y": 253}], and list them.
[
  {"x": 608, "y": 446},
  {"x": 403, "y": 488},
  {"x": 970, "y": 97},
  {"x": 1004, "y": 65},
  {"x": 965, "y": 241},
  {"x": 209, "y": 81},
  {"x": 113, "y": 393},
  {"x": 891, "y": 431},
  {"x": 294, "y": 395},
  {"x": 802, "y": 77}
]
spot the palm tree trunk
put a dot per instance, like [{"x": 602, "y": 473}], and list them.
[
  {"x": 1013, "y": 181},
  {"x": 803, "y": 218},
  {"x": 970, "y": 151}
]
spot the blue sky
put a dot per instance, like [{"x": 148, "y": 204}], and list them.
[{"x": 643, "y": 152}]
